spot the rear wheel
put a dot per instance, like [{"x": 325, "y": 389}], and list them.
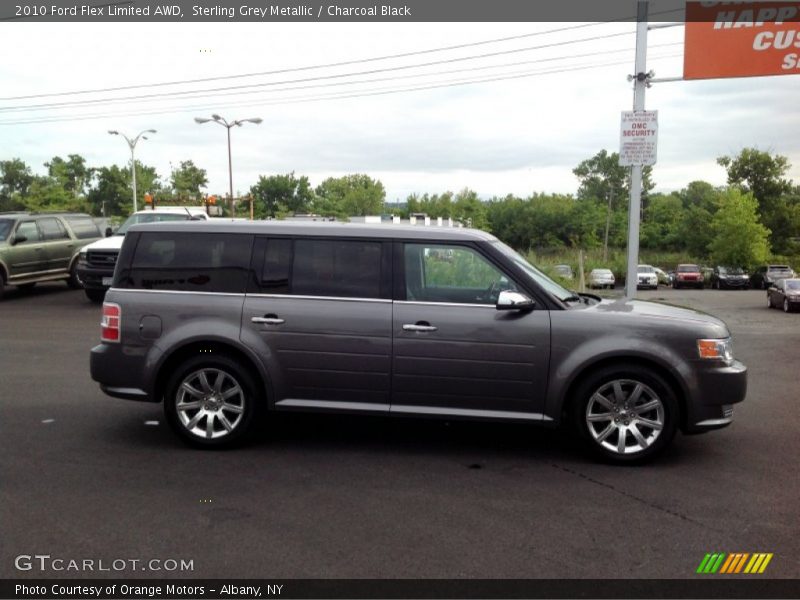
[
  {"x": 769, "y": 301},
  {"x": 626, "y": 414},
  {"x": 211, "y": 401},
  {"x": 96, "y": 296},
  {"x": 74, "y": 282}
]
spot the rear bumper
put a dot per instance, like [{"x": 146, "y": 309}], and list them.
[
  {"x": 115, "y": 373},
  {"x": 718, "y": 389}
]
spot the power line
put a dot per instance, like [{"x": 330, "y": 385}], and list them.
[
  {"x": 295, "y": 100},
  {"x": 318, "y": 78},
  {"x": 308, "y": 67}
]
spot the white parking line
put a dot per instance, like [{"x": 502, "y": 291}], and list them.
[
  {"x": 48, "y": 421},
  {"x": 151, "y": 422}
]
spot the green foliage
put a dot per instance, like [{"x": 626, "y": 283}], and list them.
[
  {"x": 351, "y": 195},
  {"x": 459, "y": 268},
  {"x": 662, "y": 223},
  {"x": 739, "y": 237},
  {"x": 602, "y": 178},
  {"x": 111, "y": 191},
  {"x": 71, "y": 174},
  {"x": 764, "y": 175},
  {"x": 15, "y": 179},
  {"x": 187, "y": 180},
  {"x": 282, "y": 194}
]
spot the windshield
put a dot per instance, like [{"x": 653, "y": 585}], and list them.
[
  {"x": 535, "y": 274},
  {"x": 688, "y": 269},
  {"x": 646, "y": 270},
  {"x": 601, "y": 272},
  {"x": 793, "y": 284},
  {"x": 151, "y": 217},
  {"x": 5, "y": 228},
  {"x": 731, "y": 271},
  {"x": 779, "y": 268}
]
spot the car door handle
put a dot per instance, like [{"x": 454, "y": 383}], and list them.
[
  {"x": 420, "y": 326},
  {"x": 268, "y": 320}
]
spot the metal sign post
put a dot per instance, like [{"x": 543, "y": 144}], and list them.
[{"x": 634, "y": 208}]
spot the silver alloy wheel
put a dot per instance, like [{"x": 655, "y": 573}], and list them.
[
  {"x": 625, "y": 416},
  {"x": 210, "y": 403},
  {"x": 769, "y": 301}
]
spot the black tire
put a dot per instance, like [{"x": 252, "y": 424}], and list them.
[
  {"x": 769, "y": 301},
  {"x": 96, "y": 296},
  {"x": 247, "y": 401},
  {"x": 74, "y": 282},
  {"x": 652, "y": 388},
  {"x": 787, "y": 308},
  {"x": 2, "y": 283}
]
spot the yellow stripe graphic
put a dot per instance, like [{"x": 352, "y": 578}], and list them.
[
  {"x": 759, "y": 559},
  {"x": 765, "y": 563}
]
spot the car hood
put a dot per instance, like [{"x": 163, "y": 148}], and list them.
[
  {"x": 113, "y": 242},
  {"x": 659, "y": 311}
]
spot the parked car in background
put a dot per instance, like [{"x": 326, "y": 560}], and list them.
[
  {"x": 727, "y": 278},
  {"x": 38, "y": 247},
  {"x": 785, "y": 294},
  {"x": 688, "y": 275},
  {"x": 564, "y": 271},
  {"x": 664, "y": 278},
  {"x": 601, "y": 278},
  {"x": 707, "y": 271},
  {"x": 96, "y": 261},
  {"x": 765, "y": 275},
  {"x": 646, "y": 277}
]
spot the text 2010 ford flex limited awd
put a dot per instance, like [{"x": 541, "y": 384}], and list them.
[{"x": 225, "y": 322}]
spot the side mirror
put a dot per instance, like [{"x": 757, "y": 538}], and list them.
[
  {"x": 18, "y": 239},
  {"x": 509, "y": 300},
  {"x": 109, "y": 232}
]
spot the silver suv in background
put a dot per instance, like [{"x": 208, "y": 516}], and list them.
[
  {"x": 224, "y": 322},
  {"x": 96, "y": 262}
]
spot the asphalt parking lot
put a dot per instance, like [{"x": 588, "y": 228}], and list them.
[{"x": 85, "y": 476}]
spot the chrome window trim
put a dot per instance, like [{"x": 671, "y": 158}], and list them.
[
  {"x": 420, "y": 303},
  {"x": 141, "y": 291},
  {"x": 337, "y": 298}
]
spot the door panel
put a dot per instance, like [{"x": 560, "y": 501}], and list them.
[
  {"x": 58, "y": 246},
  {"x": 478, "y": 358},
  {"x": 335, "y": 350},
  {"x": 28, "y": 257}
]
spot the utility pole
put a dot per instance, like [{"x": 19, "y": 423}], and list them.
[
  {"x": 641, "y": 79},
  {"x": 608, "y": 222}
]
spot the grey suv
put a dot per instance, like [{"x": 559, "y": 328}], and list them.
[
  {"x": 38, "y": 247},
  {"x": 225, "y": 321}
]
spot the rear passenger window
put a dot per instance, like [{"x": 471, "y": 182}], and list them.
[
  {"x": 351, "y": 269},
  {"x": 52, "y": 229},
  {"x": 214, "y": 262},
  {"x": 311, "y": 267}
]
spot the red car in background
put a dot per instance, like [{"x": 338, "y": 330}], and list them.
[{"x": 688, "y": 276}]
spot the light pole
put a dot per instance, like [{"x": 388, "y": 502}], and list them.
[
  {"x": 132, "y": 145},
  {"x": 227, "y": 125}
]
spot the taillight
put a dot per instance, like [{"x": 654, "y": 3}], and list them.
[{"x": 111, "y": 323}]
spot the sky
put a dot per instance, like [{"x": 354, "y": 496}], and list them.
[{"x": 546, "y": 101}]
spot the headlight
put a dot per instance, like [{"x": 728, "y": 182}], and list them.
[
  {"x": 716, "y": 349},
  {"x": 82, "y": 255}
]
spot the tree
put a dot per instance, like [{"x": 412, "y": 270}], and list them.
[
  {"x": 468, "y": 209},
  {"x": 110, "y": 193},
  {"x": 739, "y": 237},
  {"x": 662, "y": 225},
  {"x": 15, "y": 179},
  {"x": 47, "y": 193},
  {"x": 764, "y": 175},
  {"x": 187, "y": 180},
  {"x": 351, "y": 195},
  {"x": 71, "y": 174},
  {"x": 281, "y": 194}
]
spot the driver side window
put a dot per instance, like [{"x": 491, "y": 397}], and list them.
[{"x": 457, "y": 274}]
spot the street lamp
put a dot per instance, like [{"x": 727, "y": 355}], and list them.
[
  {"x": 227, "y": 125},
  {"x": 132, "y": 145}
]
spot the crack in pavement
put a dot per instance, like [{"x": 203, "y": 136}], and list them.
[{"x": 636, "y": 498}]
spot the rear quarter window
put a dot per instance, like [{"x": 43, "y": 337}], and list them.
[
  {"x": 84, "y": 228},
  {"x": 189, "y": 262}
]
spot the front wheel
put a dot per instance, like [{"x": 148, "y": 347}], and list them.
[
  {"x": 96, "y": 296},
  {"x": 74, "y": 281},
  {"x": 769, "y": 301},
  {"x": 786, "y": 307},
  {"x": 211, "y": 401},
  {"x": 626, "y": 414}
]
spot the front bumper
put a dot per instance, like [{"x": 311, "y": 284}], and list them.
[
  {"x": 92, "y": 277},
  {"x": 717, "y": 389}
]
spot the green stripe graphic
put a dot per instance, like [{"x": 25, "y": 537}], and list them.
[
  {"x": 701, "y": 568},
  {"x": 716, "y": 565}
]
